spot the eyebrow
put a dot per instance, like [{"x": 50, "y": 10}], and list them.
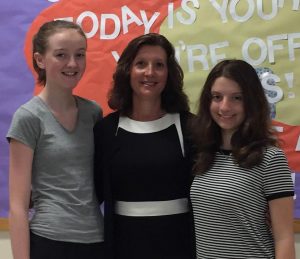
[{"x": 66, "y": 49}]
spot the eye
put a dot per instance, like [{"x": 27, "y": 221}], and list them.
[
  {"x": 237, "y": 98},
  {"x": 60, "y": 55},
  {"x": 160, "y": 65},
  {"x": 80, "y": 55},
  {"x": 216, "y": 97},
  {"x": 139, "y": 63}
]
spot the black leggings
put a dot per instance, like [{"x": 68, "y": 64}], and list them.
[{"x": 44, "y": 248}]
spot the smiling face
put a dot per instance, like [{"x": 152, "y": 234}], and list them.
[
  {"x": 64, "y": 60},
  {"x": 149, "y": 73},
  {"x": 227, "y": 106}
]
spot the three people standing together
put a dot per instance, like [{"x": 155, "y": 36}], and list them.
[{"x": 166, "y": 176}]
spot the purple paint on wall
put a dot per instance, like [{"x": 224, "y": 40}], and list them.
[
  {"x": 16, "y": 80},
  {"x": 297, "y": 195}
]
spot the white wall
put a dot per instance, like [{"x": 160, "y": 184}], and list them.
[
  {"x": 5, "y": 251},
  {"x": 297, "y": 243}
]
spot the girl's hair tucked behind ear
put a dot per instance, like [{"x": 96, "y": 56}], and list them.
[{"x": 40, "y": 42}]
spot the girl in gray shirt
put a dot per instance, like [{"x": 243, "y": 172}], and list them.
[{"x": 51, "y": 155}]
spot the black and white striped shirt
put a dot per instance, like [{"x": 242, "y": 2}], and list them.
[{"x": 230, "y": 205}]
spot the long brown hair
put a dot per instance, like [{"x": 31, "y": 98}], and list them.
[
  {"x": 173, "y": 99},
  {"x": 253, "y": 135}
]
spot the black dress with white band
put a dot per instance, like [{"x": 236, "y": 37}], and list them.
[{"x": 150, "y": 178}]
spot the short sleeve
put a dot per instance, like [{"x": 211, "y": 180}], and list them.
[
  {"x": 25, "y": 127},
  {"x": 278, "y": 181}
]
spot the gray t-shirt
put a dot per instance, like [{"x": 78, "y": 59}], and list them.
[{"x": 65, "y": 205}]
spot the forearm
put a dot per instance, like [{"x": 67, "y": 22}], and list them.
[
  {"x": 19, "y": 234},
  {"x": 20, "y": 168},
  {"x": 285, "y": 249}
]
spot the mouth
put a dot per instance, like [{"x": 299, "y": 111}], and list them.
[
  {"x": 149, "y": 84},
  {"x": 70, "y": 74},
  {"x": 226, "y": 116}
]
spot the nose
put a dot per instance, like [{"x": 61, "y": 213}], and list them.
[
  {"x": 72, "y": 62},
  {"x": 225, "y": 104},
  {"x": 149, "y": 70}
]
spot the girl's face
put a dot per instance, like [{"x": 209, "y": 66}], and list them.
[
  {"x": 227, "y": 106},
  {"x": 149, "y": 72},
  {"x": 64, "y": 60}
]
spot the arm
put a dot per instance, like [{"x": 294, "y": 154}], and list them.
[
  {"x": 281, "y": 213},
  {"x": 20, "y": 164}
]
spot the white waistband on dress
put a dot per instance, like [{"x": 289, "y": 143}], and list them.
[{"x": 151, "y": 208}]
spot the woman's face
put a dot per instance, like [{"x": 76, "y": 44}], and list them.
[
  {"x": 227, "y": 106},
  {"x": 149, "y": 73}
]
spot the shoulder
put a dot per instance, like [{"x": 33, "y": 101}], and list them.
[
  {"x": 187, "y": 116},
  {"x": 90, "y": 104},
  {"x": 105, "y": 130},
  {"x": 32, "y": 104},
  {"x": 31, "y": 110},
  {"x": 89, "y": 108},
  {"x": 86, "y": 102},
  {"x": 273, "y": 152},
  {"x": 274, "y": 157},
  {"x": 27, "y": 122},
  {"x": 187, "y": 119},
  {"x": 108, "y": 124},
  {"x": 108, "y": 120}
]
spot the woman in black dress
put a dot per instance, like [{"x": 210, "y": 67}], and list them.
[{"x": 143, "y": 156}]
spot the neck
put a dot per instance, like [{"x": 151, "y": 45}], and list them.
[
  {"x": 147, "y": 111},
  {"x": 58, "y": 101},
  {"x": 226, "y": 141}
]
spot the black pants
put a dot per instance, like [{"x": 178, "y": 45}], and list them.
[{"x": 44, "y": 248}]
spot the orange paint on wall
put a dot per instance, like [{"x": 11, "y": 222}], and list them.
[
  {"x": 100, "y": 62},
  {"x": 290, "y": 136}
]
